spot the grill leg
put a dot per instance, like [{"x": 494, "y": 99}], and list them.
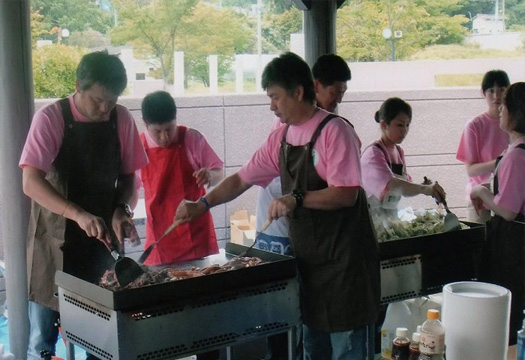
[
  {"x": 292, "y": 342},
  {"x": 229, "y": 353},
  {"x": 70, "y": 351}
]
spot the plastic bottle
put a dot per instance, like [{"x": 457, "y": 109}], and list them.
[
  {"x": 520, "y": 350},
  {"x": 414, "y": 346},
  {"x": 397, "y": 314},
  {"x": 401, "y": 344},
  {"x": 432, "y": 344}
]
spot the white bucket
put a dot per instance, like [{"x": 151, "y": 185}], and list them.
[{"x": 476, "y": 318}]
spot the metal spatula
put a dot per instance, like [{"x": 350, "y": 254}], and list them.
[
  {"x": 126, "y": 269},
  {"x": 451, "y": 221},
  {"x": 263, "y": 228},
  {"x": 146, "y": 252}
]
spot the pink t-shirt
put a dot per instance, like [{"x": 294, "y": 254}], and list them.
[
  {"x": 47, "y": 131},
  {"x": 482, "y": 140},
  {"x": 376, "y": 171},
  {"x": 511, "y": 177},
  {"x": 200, "y": 154},
  {"x": 336, "y": 153}
]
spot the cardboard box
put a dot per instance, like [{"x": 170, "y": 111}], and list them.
[{"x": 242, "y": 228}]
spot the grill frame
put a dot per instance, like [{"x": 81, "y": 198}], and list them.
[{"x": 165, "y": 323}]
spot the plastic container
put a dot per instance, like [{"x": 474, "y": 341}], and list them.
[
  {"x": 401, "y": 344},
  {"x": 432, "y": 344},
  {"x": 520, "y": 349},
  {"x": 413, "y": 353},
  {"x": 396, "y": 316}
]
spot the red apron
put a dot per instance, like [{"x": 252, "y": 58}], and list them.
[{"x": 168, "y": 179}]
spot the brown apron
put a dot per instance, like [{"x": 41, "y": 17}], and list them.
[
  {"x": 85, "y": 172},
  {"x": 336, "y": 250},
  {"x": 504, "y": 260}
]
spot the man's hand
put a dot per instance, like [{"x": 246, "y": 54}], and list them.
[
  {"x": 202, "y": 177},
  {"x": 281, "y": 206},
  {"x": 188, "y": 211},
  {"x": 93, "y": 226},
  {"x": 124, "y": 227}
]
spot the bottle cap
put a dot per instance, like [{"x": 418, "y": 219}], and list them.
[
  {"x": 418, "y": 329},
  {"x": 401, "y": 332},
  {"x": 433, "y": 314},
  {"x": 416, "y": 337}
]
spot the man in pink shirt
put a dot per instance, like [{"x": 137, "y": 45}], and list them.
[
  {"x": 483, "y": 141},
  {"x": 78, "y": 164},
  {"x": 181, "y": 164},
  {"x": 316, "y": 155}
]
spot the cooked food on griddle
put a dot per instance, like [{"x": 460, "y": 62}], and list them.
[
  {"x": 423, "y": 223},
  {"x": 151, "y": 276}
]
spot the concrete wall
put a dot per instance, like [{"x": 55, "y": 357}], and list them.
[{"x": 236, "y": 125}]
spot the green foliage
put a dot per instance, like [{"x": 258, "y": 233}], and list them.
[
  {"x": 37, "y": 26},
  {"x": 422, "y": 23},
  {"x": 449, "y": 52},
  {"x": 54, "y": 70},
  {"x": 277, "y": 29},
  {"x": 201, "y": 38},
  {"x": 152, "y": 27},
  {"x": 88, "y": 39},
  {"x": 74, "y": 15}
]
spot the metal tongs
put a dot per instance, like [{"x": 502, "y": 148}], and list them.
[{"x": 146, "y": 252}]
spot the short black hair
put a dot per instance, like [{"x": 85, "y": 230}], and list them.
[
  {"x": 101, "y": 68},
  {"x": 391, "y": 108},
  {"x": 289, "y": 71},
  {"x": 330, "y": 68},
  {"x": 494, "y": 77},
  {"x": 514, "y": 100},
  {"x": 158, "y": 108}
]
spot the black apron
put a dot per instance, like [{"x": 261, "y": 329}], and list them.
[
  {"x": 395, "y": 167},
  {"x": 504, "y": 257},
  {"x": 85, "y": 172},
  {"x": 89, "y": 161},
  {"x": 336, "y": 250}
]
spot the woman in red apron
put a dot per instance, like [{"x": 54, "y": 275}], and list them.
[
  {"x": 181, "y": 163},
  {"x": 505, "y": 246}
]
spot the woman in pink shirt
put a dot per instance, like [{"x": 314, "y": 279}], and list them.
[
  {"x": 385, "y": 178},
  {"x": 483, "y": 140},
  {"x": 504, "y": 260}
]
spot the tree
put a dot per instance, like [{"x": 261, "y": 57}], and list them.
[
  {"x": 212, "y": 31},
  {"x": 37, "y": 26},
  {"x": 74, "y": 15},
  {"x": 152, "y": 27},
  {"x": 54, "y": 70},
  {"x": 421, "y": 22},
  {"x": 88, "y": 39},
  {"x": 277, "y": 28}
]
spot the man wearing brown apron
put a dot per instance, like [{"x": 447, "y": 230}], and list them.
[
  {"x": 317, "y": 157},
  {"x": 78, "y": 169}
]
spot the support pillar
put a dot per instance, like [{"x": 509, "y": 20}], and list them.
[{"x": 16, "y": 110}]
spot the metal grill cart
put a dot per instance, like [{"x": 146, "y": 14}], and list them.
[
  {"x": 184, "y": 317},
  {"x": 422, "y": 265}
]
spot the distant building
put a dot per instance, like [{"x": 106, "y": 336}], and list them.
[
  {"x": 488, "y": 32},
  {"x": 488, "y": 24}
]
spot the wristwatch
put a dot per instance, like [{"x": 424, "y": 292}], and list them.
[
  {"x": 126, "y": 208},
  {"x": 299, "y": 197},
  {"x": 205, "y": 202}
]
